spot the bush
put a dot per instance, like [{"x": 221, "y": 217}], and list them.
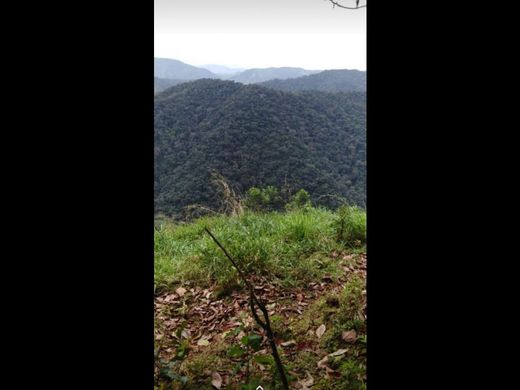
[
  {"x": 263, "y": 199},
  {"x": 350, "y": 226},
  {"x": 300, "y": 201}
]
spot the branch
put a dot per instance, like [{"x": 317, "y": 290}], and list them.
[
  {"x": 254, "y": 300},
  {"x": 334, "y": 3}
]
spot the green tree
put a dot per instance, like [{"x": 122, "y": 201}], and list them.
[{"x": 301, "y": 200}]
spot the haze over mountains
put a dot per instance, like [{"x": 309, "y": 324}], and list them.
[
  {"x": 283, "y": 78},
  {"x": 221, "y": 69},
  {"x": 166, "y": 68},
  {"x": 259, "y": 75}
]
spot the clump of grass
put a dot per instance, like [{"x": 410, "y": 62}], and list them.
[
  {"x": 350, "y": 226},
  {"x": 285, "y": 244}
]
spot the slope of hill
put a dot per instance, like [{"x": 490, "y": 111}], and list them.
[
  {"x": 160, "y": 85},
  {"x": 166, "y": 68},
  {"x": 221, "y": 69},
  {"x": 251, "y": 76},
  {"x": 340, "y": 80},
  {"x": 255, "y": 136}
]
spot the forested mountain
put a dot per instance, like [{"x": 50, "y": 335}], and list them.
[
  {"x": 341, "y": 80},
  {"x": 250, "y": 76},
  {"x": 162, "y": 84},
  {"x": 256, "y": 136},
  {"x": 166, "y": 68}
]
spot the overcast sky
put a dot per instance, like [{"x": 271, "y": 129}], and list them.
[{"x": 261, "y": 33}]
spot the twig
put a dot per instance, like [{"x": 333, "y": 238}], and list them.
[
  {"x": 342, "y": 6},
  {"x": 252, "y": 301}
]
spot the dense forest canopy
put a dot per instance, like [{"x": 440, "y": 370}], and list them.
[{"x": 256, "y": 136}]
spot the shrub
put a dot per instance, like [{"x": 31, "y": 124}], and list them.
[
  {"x": 301, "y": 200},
  {"x": 350, "y": 226}
]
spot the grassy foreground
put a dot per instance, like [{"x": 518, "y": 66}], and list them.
[
  {"x": 308, "y": 265},
  {"x": 291, "y": 246}
]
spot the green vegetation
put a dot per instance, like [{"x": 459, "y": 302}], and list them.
[
  {"x": 285, "y": 245},
  {"x": 350, "y": 226},
  {"x": 256, "y": 137},
  {"x": 235, "y": 158},
  {"x": 290, "y": 249}
]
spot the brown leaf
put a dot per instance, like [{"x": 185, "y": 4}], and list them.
[
  {"x": 307, "y": 383},
  {"x": 321, "y": 329},
  {"x": 203, "y": 342},
  {"x": 323, "y": 362},
  {"x": 338, "y": 352},
  {"x": 216, "y": 380},
  {"x": 170, "y": 298},
  {"x": 349, "y": 336},
  {"x": 288, "y": 343},
  {"x": 181, "y": 291}
]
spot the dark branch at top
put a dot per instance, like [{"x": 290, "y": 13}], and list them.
[{"x": 334, "y": 3}]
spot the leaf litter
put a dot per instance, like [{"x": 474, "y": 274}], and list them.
[{"x": 205, "y": 318}]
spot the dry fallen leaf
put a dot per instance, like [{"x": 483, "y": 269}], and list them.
[
  {"x": 307, "y": 383},
  {"x": 288, "y": 343},
  {"x": 321, "y": 329},
  {"x": 170, "y": 298},
  {"x": 322, "y": 362},
  {"x": 224, "y": 334},
  {"x": 181, "y": 291},
  {"x": 349, "y": 336},
  {"x": 203, "y": 342},
  {"x": 338, "y": 352},
  {"x": 216, "y": 380}
]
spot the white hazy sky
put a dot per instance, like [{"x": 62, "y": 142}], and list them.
[{"x": 261, "y": 33}]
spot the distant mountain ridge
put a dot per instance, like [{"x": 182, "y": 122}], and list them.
[
  {"x": 340, "y": 80},
  {"x": 258, "y": 75},
  {"x": 166, "y": 68},
  {"x": 221, "y": 69},
  {"x": 170, "y": 72}
]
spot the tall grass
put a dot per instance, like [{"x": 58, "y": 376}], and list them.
[{"x": 290, "y": 246}]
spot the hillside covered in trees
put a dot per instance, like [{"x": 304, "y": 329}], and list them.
[
  {"x": 340, "y": 80},
  {"x": 256, "y": 136},
  {"x": 160, "y": 85}
]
